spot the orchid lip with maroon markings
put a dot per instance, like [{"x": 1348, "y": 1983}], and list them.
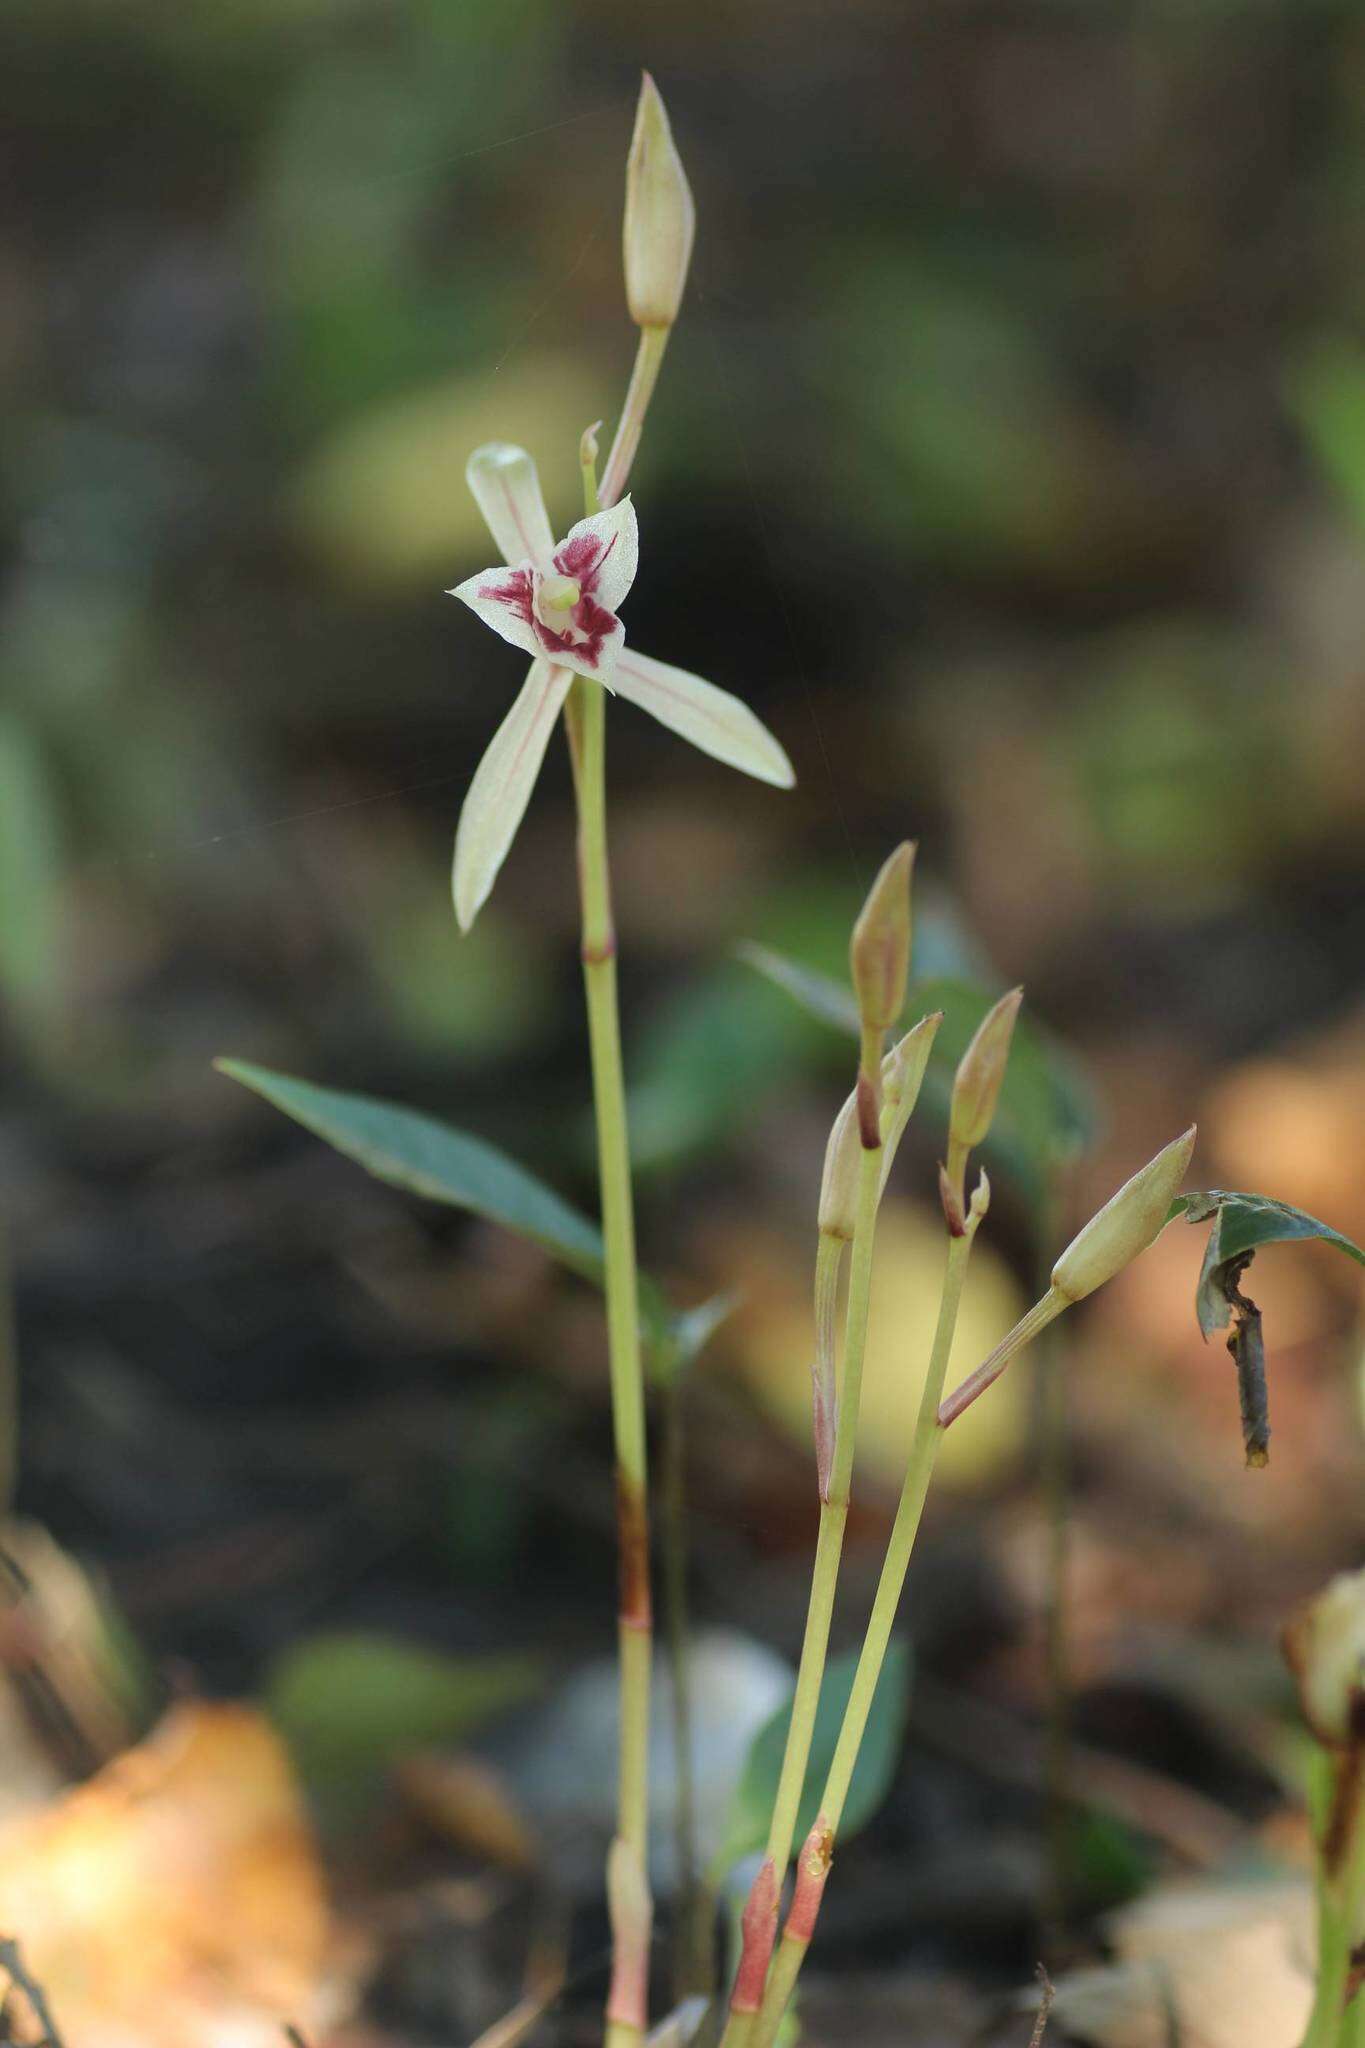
[{"x": 559, "y": 603}]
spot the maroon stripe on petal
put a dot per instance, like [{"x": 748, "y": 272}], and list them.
[
  {"x": 581, "y": 558},
  {"x": 515, "y": 592}
]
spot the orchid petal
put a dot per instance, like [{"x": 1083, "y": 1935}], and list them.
[
  {"x": 502, "y": 785},
  {"x": 602, "y": 553},
  {"x": 505, "y": 600},
  {"x": 507, "y": 491},
  {"x": 710, "y": 718}
]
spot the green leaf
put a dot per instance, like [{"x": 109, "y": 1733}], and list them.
[
  {"x": 818, "y": 993},
  {"x": 687, "y": 1334},
  {"x": 348, "y": 1704},
  {"x": 429, "y": 1158},
  {"x": 1046, "y": 1111},
  {"x": 1241, "y": 1225},
  {"x": 746, "y": 1828}
]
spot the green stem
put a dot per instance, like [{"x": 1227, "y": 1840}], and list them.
[
  {"x": 1335, "y": 2021},
  {"x": 645, "y": 375},
  {"x": 928, "y": 1435},
  {"x": 919, "y": 1469},
  {"x": 587, "y": 729},
  {"x": 828, "y": 1547},
  {"x": 691, "y": 1944},
  {"x": 833, "y": 1517}
]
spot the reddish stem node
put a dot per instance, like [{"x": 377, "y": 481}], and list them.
[
  {"x": 632, "y": 1523},
  {"x": 758, "y": 1928},
  {"x": 812, "y": 1869}
]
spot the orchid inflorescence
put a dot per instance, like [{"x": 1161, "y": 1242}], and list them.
[{"x": 559, "y": 604}]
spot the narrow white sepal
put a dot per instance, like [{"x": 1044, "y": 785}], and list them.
[
  {"x": 696, "y": 710},
  {"x": 502, "y": 785},
  {"x": 506, "y": 489}
]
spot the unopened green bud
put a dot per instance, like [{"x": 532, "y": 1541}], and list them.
[
  {"x": 980, "y": 1076},
  {"x": 902, "y": 1076},
  {"x": 1126, "y": 1225},
  {"x": 879, "y": 951},
  {"x": 660, "y": 217},
  {"x": 1324, "y": 1646},
  {"x": 839, "y": 1181}
]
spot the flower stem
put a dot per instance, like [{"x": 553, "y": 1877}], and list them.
[
  {"x": 627, "y": 2006},
  {"x": 828, "y": 1548},
  {"x": 691, "y": 1934},
  {"x": 1336, "y": 2017},
  {"x": 648, "y": 358},
  {"x": 924, "y": 1446}
]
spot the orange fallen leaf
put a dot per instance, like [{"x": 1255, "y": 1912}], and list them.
[{"x": 175, "y": 1900}]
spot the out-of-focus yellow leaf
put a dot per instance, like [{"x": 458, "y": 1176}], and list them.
[
  {"x": 175, "y": 1900},
  {"x": 384, "y": 499},
  {"x": 773, "y": 1344},
  {"x": 1224, "y": 1965}
]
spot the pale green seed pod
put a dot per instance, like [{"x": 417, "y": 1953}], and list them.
[
  {"x": 1324, "y": 1646},
  {"x": 1126, "y": 1225},
  {"x": 879, "y": 951},
  {"x": 660, "y": 217}
]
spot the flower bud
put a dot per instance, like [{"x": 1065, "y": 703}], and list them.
[
  {"x": 1126, "y": 1225},
  {"x": 879, "y": 951},
  {"x": 839, "y": 1181},
  {"x": 902, "y": 1077},
  {"x": 1324, "y": 1646},
  {"x": 660, "y": 216},
  {"x": 980, "y": 1076}
]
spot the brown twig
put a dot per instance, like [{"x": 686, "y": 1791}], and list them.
[
  {"x": 12, "y": 1963},
  {"x": 1049, "y": 1991}
]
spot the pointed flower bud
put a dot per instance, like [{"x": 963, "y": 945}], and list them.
[
  {"x": 980, "y": 1076},
  {"x": 1324, "y": 1646},
  {"x": 1126, "y": 1225},
  {"x": 839, "y": 1181},
  {"x": 879, "y": 951},
  {"x": 902, "y": 1078},
  {"x": 660, "y": 217}
]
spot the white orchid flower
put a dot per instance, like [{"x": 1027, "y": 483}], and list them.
[{"x": 559, "y": 603}]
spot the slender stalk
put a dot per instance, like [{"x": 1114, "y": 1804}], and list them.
[
  {"x": 1336, "y": 2017},
  {"x": 760, "y": 1935},
  {"x": 628, "y": 1899},
  {"x": 815, "y": 1856},
  {"x": 691, "y": 1942},
  {"x": 627, "y": 2006},
  {"x": 1053, "y": 1361},
  {"x": 1025, "y": 1330},
  {"x": 645, "y": 375}
]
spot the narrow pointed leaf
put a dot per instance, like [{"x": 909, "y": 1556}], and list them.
[
  {"x": 820, "y": 994},
  {"x": 430, "y": 1158},
  {"x": 686, "y": 1335}
]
